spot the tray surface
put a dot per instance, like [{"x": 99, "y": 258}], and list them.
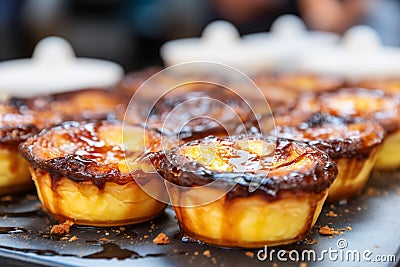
[{"x": 368, "y": 224}]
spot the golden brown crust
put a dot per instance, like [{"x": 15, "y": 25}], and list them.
[
  {"x": 80, "y": 151},
  {"x": 337, "y": 136},
  {"x": 78, "y": 105},
  {"x": 297, "y": 167},
  {"x": 355, "y": 102}
]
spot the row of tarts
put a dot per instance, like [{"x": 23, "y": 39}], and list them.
[{"x": 91, "y": 167}]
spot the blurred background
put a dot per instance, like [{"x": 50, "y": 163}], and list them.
[{"x": 130, "y": 32}]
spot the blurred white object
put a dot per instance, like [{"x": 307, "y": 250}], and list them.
[
  {"x": 220, "y": 43},
  {"x": 289, "y": 39},
  {"x": 360, "y": 55},
  {"x": 54, "y": 68}
]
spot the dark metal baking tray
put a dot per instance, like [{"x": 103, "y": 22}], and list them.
[{"x": 25, "y": 240}]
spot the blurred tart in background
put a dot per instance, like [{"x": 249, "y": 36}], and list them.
[{"x": 360, "y": 102}]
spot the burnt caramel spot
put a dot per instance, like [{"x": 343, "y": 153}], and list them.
[
  {"x": 292, "y": 167},
  {"x": 339, "y": 137}
]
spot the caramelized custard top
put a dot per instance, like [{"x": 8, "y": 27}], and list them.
[
  {"x": 97, "y": 151},
  {"x": 277, "y": 165},
  {"x": 356, "y": 102}
]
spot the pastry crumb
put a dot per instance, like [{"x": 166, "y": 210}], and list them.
[
  {"x": 250, "y": 254},
  {"x": 103, "y": 239},
  {"x": 31, "y": 197},
  {"x": 207, "y": 253},
  {"x": 349, "y": 228},
  {"x": 310, "y": 241},
  {"x": 7, "y": 198},
  {"x": 303, "y": 264},
  {"x": 331, "y": 214},
  {"x": 161, "y": 239},
  {"x": 62, "y": 228},
  {"x": 373, "y": 192},
  {"x": 146, "y": 236},
  {"x": 326, "y": 230}
]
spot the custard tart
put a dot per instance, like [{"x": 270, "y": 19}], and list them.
[
  {"x": 366, "y": 103},
  {"x": 14, "y": 128},
  {"x": 353, "y": 143},
  {"x": 83, "y": 173},
  {"x": 17, "y": 124},
  {"x": 211, "y": 186},
  {"x": 22, "y": 118}
]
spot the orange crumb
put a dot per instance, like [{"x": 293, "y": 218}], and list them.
[
  {"x": 62, "y": 228},
  {"x": 250, "y": 254},
  {"x": 373, "y": 192},
  {"x": 331, "y": 214},
  {"x": 31, "y": 197},
  {"x": 161, "y": 239},
  {"x": 207, "y": 253},
  {"x": 326, "y": 230}
]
